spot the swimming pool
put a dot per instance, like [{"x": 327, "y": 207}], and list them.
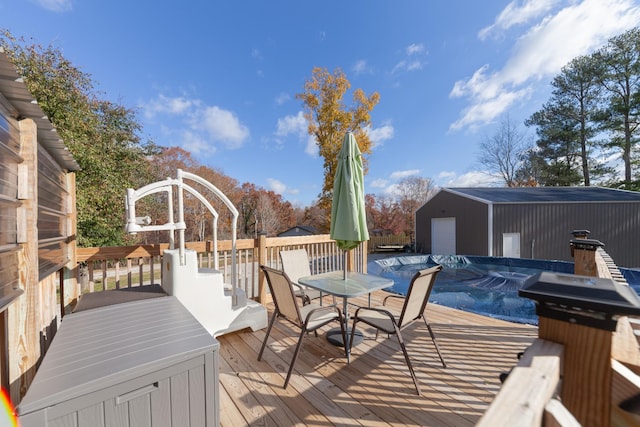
[{"x": 484, "y": 285}]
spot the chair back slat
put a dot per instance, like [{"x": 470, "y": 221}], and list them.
[
  {"x": 418, "y": 294},
  {"x": 282, "y": 293},
  {"x": 295, "y": 263}
]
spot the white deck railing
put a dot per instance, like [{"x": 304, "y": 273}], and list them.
[{"x": 104, "y": 268}]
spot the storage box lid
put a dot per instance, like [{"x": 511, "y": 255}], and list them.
[{"x": 105, "y": 346}]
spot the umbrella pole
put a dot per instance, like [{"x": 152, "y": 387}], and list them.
[{"x": 344, "y": 269}]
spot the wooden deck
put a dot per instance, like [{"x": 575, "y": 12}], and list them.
[{"x": 376, "y": 388}]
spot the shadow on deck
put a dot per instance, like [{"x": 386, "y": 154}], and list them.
[{"x": 376, "y": 388}]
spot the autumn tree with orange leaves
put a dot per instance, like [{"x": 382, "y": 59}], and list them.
[{"x": 329, "y": 119}]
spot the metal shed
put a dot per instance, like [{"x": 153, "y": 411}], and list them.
[{"x": 531, "y": 222}]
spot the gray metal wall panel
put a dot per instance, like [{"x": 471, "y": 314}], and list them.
[
  {"x": 547, "y": 227},
  {"x": 471, "y": 223}
]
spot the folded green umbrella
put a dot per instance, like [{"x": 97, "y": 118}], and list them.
[{"x": 348, "y": 216}]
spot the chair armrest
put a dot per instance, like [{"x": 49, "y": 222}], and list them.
[
  {"x": 379, "y": 310},
  {"x": 384, "y": 301}
]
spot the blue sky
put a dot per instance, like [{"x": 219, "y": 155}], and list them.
[{"x": 219, "y": 78}]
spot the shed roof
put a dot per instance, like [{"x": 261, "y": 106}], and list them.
[
  {"x": 546, "y": 194},
  {"x": 13, "y": 89}
]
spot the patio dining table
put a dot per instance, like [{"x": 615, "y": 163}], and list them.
[{"x": 349, "y": 285}]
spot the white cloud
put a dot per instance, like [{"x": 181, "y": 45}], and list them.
[
  {"x": 389, "y": 187},
  {"x": 361, "y": 67},
  {"x": 222, "y": 126},
  {"x": 413, "y": 60},
  {"x": 282, "y": 98},
  {"x": 276, "y": 186},
  {"x": 414, "y": 48},
  {"x": 165, "y": 105},
  {"x": 414, "y": 65},
  {"x": 311, "y": 147},
  {"x": 398, "y": 175},
  {"x": 446, "y": 175},
  {"x": 486, "y": 111},
  {"x": 469, "y": 179},
  {"x": 194, "y": 143},
  {"x": 399, "y": 66},
  {"x": 296, "y": 125},
  {"x": 516, "y": 13},
  {"x": 55, "y": 5},
  {"x": 198, "y": 126},
  {"x": 379, "y": 183},
  {"x": 279, "y": 187},
  {"x": 292, "y": 125},
  {"x": 539, "y": 53},
  {"x": 381, "y": 134}
]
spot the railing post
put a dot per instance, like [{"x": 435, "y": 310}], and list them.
[
  {"x": 262, "y": 260},
  {"x": 584, "y": 255},
  {"x": 351, "y": 260},
  {"x": 581, "y": 313}
]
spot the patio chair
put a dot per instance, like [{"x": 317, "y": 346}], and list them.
[
  {"x": 388, "y": 320},
  {"x": 296, "y": 264},
  {"x": 309, "y": 318}
]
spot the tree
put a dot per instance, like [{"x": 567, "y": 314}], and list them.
[
  {"x": 576, "y": 93},
  {"x": 530, "y": 172},
  {"x": 383, "y": 213},
  {"x": 316, "y": 217},
  {"x": 412, "y": 192},
  {"x": 558, "y": 148},
  {"x": 502, "y": 152},
  {"x": 263, "y": 211},
  {"x": 103, "y": 137},
  {"x": 329, "y": 120},
  {"x": 621, "y": 80}
]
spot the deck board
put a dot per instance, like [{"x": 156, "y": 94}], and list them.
[{"x": 375, "y": 389}]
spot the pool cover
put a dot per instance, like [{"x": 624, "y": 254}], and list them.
[{"x": 484, "y": 285}]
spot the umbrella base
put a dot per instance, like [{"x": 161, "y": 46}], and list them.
[{"x": 334, "y": 336}]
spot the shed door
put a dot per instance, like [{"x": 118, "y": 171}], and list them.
[
  {"x": 443, "y": 236},
  {"x": 511, "y": 245}
]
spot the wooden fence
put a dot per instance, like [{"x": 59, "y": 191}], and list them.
[{"x": 397, "y": 242}]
